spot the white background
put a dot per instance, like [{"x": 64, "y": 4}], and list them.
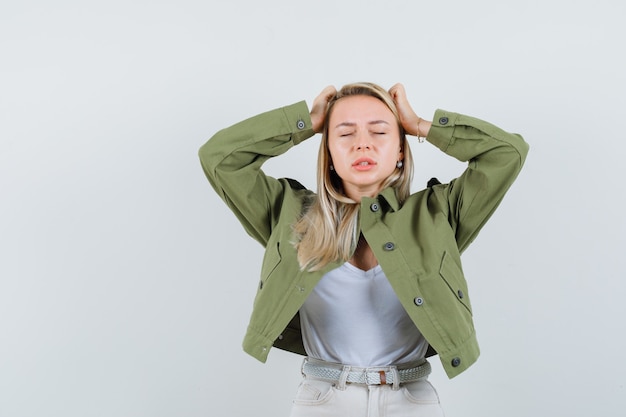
[{"x": 126, "y": 284}]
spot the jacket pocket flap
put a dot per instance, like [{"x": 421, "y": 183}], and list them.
[
  {"x": 271, "y": 259},
  {"x": 452, "y": 274}
]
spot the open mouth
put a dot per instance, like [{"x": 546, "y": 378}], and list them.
[{"x": 363, "y": 164}]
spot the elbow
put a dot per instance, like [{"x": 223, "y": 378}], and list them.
[
  {"x": 521, "y": 147},
  {"x": 209, "y": 155},
  {"x": 204, "y": 154}
]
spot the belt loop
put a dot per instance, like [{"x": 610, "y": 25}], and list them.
[
  {"x": 341, "y": 384},
  {"x": 396, "y": 378},
  {"x": 304, "y": 362}
]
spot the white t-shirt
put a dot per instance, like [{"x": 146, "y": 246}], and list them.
[{"x": 354, "y": 317}]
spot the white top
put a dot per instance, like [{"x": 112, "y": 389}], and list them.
[{"x": 354, "y": 317}]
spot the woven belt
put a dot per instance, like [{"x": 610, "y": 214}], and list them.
[{"x": 368, "y": 376}]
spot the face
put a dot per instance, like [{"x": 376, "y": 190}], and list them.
[{"x": 364, "y": 144}]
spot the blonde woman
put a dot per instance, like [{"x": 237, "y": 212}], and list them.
[{"x": 363, "y": 278}]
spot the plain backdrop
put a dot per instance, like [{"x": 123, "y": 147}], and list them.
[{"x": 126, "y": 284}]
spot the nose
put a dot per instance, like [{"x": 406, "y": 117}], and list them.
[{"x": 362, "y": 143}]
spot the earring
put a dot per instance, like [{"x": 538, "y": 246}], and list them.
[
  {"x": 332, "y": 168},
  {"x": 399, "y": 164}
]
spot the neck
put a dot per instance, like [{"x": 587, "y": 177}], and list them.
[{"x": 357, "y": 195}]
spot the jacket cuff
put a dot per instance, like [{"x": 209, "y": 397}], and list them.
[
  {"x": 442, "y": 129},
  {"x": 299, "y": 121}
]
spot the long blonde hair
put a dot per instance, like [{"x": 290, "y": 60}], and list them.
[{"x": 327, "y": 231}]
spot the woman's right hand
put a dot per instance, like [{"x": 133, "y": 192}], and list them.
[{"x": 318, "y": 110}]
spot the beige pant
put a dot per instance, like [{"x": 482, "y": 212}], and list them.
[{"x": 318, "y": 398}]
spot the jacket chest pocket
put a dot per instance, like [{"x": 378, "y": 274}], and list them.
[
  {"x": 453, "y": 276},
  {"x": 271, "y": 260}
]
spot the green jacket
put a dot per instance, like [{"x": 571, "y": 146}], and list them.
[{"x": 418, "y": 244}]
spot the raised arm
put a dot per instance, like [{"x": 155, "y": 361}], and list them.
[
  {"x": 494, "y": 158},
  {"x": 232, "y": 161}
]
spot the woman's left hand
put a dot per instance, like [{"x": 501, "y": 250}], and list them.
[{"x": 409, "y": 119}]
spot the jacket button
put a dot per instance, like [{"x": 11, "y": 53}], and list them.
[
  {"x": 300, "y": 125},
  {"x": 389, "y": 246},
  {"x": 456, "y": 362},
  {"x": 443, "y": 120},
  {"x": 461, "y": 295},
  {"x": 374, "y": 207},
  {"x": 418, "y": 301}
]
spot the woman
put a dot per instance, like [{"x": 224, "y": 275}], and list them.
[{"x": 362, "y": 277}]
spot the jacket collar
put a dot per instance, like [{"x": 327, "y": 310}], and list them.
[{"x": 389, "y": 195}]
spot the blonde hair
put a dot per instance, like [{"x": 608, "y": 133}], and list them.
[{"x": 327, "y": 231}]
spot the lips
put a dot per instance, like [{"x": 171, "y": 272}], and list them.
[{"x": 363, "y": 164}]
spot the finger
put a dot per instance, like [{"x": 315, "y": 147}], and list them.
[
  {"x": 325, "y": 96},
  {"x": 329, "y": 92},
  {"x": 397, "y": 91}
]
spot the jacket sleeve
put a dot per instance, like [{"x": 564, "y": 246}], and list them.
[
  {"x": 232, "y": 161},
  {"x": 494, "y": 159}
]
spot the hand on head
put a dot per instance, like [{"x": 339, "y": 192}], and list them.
[
  {"x": 411, "y": 122},
  {"x": 408, "y": 117},
  {"x": 318, "y": 110}
]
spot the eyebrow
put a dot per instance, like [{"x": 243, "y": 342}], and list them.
[{"x": 351, "y": 124}]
